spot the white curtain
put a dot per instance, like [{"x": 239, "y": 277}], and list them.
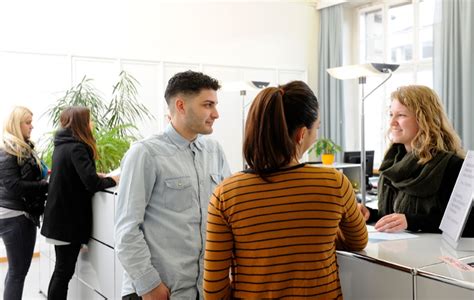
[
  {"x": 453, "y": 64},
  {"x": 330, "y": 94}
]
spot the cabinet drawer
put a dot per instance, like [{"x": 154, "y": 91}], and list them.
[
  {"x": 103, "y": 216},
  {"x": 95, "y": 267}
]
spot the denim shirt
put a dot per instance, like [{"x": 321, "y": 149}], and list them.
[{"x": 161, "y": 212}]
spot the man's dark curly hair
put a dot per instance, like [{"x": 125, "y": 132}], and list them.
[{"x": 189, "y": 83}]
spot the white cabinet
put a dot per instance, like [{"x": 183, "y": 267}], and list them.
[
  {"x": 98, "y": 272},
  {"x": 432, "y": 289},
  {"x": 95, "y": 267},
  {"x": 445, "y": 281},
  {"x": 362, "y": 279},
  {"x": 103, "y": 207},
  {"x": 405, "y": 269},
  {"x": 72, "y": 293},
  {"x": 83, "y": 291}
]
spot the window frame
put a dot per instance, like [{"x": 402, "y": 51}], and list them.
[{"x": 416, "y": 65}]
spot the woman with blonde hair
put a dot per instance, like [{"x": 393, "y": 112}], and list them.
[
  {"x": 23, "y": 191},
  {"x": 420, "y": 168},
  {"x": 74, "y": 180}
]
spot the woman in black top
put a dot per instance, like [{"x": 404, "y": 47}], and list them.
[
  {"x": 74, "y": 180},
  {"x": 22, "y": 194},
  {"x": 420, "y": 168}
]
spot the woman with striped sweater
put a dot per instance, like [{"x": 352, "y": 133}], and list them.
[{"x": 275, "y": 226}]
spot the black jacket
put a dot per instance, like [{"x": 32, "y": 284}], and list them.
[
  {"x": 73, "y": 182},
  {"x": 21, "y": 186}
]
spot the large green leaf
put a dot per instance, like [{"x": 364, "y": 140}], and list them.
[
  {"x": 124, "y": 108},
  {"x": 114, "y": 123},
  {"x": 83, "y": 94},
  {"x": 111, "y": 147}
]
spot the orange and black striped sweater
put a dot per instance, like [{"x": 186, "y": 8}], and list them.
[{"x": 278, "y": 239}]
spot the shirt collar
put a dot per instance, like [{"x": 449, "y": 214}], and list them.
[{"x": 179, "y": 140}]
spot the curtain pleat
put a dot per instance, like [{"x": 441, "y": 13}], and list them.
[
  {"x": 453, "y": 64},
  {"x": 330, "y": 89}
]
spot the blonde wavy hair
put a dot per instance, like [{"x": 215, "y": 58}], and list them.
[
  {"x": 435, "y": 132},
  {"x": 13, "y": 141}
]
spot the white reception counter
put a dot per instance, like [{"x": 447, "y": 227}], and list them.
[
  {"x": 396, "y": 269},
  {"x": 401, "y": 269}
]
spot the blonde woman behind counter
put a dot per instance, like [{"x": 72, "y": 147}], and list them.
[{"x": 420, "y": 168}]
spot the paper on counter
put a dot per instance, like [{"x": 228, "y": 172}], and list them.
[{"x": 384, "y": 236}]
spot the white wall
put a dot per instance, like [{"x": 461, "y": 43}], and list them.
[
  {"x": 251, "y": 33},
  {"x": 46, "y": 46}
]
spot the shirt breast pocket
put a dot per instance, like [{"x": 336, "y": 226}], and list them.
[
  {"x": 178, "y": 193},
  {"x": 215, "y": 180}
]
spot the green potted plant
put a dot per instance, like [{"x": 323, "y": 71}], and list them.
[
  {"x": 114, "y": 128},
  {"x": 325, "y": 148}
]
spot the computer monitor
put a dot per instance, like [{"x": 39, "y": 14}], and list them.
[{"x": 353, "y": 157}]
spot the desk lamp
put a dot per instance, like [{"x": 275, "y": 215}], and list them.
[{"x": 361, "y": 72}]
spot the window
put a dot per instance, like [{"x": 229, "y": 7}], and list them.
[{"x": 398, "y": 32}]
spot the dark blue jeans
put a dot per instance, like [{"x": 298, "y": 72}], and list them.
[
  {"x": 19, "y": 236},
  {"x": 66, "y": 257}
]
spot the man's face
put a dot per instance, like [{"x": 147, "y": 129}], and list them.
[{"x": 200, "y": 112}]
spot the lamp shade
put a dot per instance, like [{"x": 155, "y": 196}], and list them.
[
  {"x": 233, "y": 86},
  {"x": 362, "y": 70}
]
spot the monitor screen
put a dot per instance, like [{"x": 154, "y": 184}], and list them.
[{"x": 353, "y": 157}]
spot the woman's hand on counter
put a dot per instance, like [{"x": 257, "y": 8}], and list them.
[
  {"x": 392, "y": 223},
  {"x": 116, "y": 178}
]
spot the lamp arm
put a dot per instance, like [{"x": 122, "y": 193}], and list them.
[{"x": 388, "y": 77}]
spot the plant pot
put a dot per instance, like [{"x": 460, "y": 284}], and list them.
[{"x": 328, "y": 159}]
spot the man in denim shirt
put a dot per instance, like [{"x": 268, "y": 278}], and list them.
[{"x": 166, "y": 183}]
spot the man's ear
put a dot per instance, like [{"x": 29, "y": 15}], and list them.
[{"x": 179, "y": 105}]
